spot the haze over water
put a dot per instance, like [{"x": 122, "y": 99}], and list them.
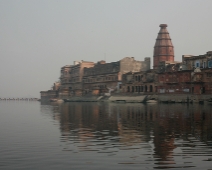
[{"x": 104, "y": 136}]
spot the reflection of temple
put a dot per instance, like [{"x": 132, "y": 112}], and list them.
[{"x": 135, "y": 124}]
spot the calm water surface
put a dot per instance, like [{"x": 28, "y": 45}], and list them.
[{"x": 105, "y": 136}]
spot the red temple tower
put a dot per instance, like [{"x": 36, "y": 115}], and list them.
[{"x": 163, "y": 49}]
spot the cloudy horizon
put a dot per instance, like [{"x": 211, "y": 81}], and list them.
[{"x": 39, "y": 37}]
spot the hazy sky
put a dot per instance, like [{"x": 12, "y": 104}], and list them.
[{"x": 38, "y": 37}]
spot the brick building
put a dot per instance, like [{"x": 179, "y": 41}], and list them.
[
  {"x": 192, "y": 76},
  {"x": 147, "y": 81},
  {"x": 140, "y": 82}
]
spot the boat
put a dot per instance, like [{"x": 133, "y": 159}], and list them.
[
  {"x": 153, "y": 100},
  {"x": 66, "y": 100},
  {"x": 52, "y": 100}
]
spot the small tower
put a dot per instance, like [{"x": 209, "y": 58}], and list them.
[{"x": 163, "y": 49}]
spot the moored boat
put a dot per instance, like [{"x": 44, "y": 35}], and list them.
[
  {"x": 52, "y": 100},
  {"x": 66, "y": 100},
  {"x": 152, "y": 100}
]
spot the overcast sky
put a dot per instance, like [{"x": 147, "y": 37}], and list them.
[{"x": 38, "y": 37}]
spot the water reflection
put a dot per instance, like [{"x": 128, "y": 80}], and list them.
[{"x": 155, "y": 135}]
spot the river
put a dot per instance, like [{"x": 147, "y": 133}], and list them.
[{"x": 104, "y": 136}]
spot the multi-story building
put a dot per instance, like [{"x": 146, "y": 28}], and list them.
[
  {"x": 173, "y": 80},
  {"x": 201, "y": 71},
  {"x": 201, "y": 61},
  {"x": 76, "y": 76},
  {"x": 140, "y": 82},
  {"x": 64, "y": 80},
  {"x": 192, "y": 76},
  {"x": 106, "y": 77}
]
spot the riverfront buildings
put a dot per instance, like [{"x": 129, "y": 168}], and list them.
[
  {"x": 147, "y": 81},
  {"x": 128, "y": 76}
]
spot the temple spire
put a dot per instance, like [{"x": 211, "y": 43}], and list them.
[{"x": 163, "y": 49}]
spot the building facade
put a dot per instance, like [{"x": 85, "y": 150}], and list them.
[
  {"x": 192, "y": 76},
  {"x": 76, "y": 77},
  {"x": 64, "y": 80},
  {"x": 140, "y": 82},
  {"x": 105, "y": 78}
]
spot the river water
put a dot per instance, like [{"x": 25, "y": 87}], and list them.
[{"x": 104, "y": 136}]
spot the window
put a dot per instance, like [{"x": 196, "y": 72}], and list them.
[
  {"x": 197, "y": 64},
  {"x": 210, "y": 64}
]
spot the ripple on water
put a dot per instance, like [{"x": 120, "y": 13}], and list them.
[{"x": 95, "y": 136}]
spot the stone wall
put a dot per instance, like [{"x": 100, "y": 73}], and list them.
[
  {"x": 129, "y": 64},
  {"x": 47, "y": 95}
]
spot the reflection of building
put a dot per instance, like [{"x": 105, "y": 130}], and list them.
[
  {"x": 87, "y": 118},
  {"x": 158, "y": 129}
]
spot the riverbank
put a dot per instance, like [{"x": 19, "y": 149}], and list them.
[
  {"x": 142, "y": 98},
  {"x": 183, "y": 98}
]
